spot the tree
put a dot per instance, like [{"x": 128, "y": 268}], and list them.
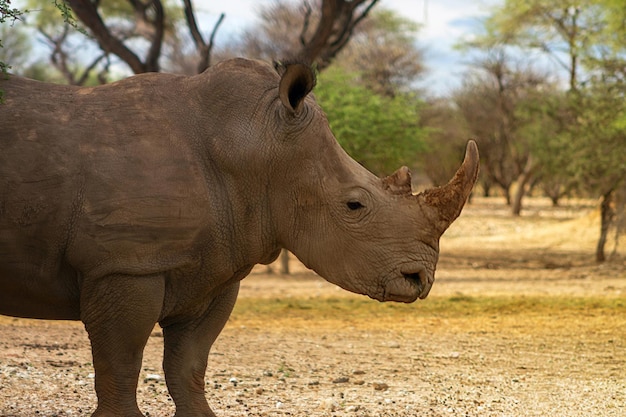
[
  {"x": 599, "y": 160},
  {"x": 324, "y": 28},
  {"x": 445, "y": 141},
  {"x": 561, "y": 29},
  {"x": 383, "y": 52},
  {"x": 587, "y": 42},
  {"x": 489, "y": 101},
  {"x": 545, "y": 119}
]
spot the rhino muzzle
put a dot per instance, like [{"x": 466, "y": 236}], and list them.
[{"x": 409, "y": 285}]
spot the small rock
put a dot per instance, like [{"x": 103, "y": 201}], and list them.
[
  {"x": 341, "y": 380},
  {"x": 359, "y": 382},
  {"x": 380, "y": 386},
  {"x": 259, "y": 390},
  {"x": 352, "y": 408},
  {"x": 393, "y": 345},
  {"x": 313, "y": 383},
  {"x": 279, "y": 404},
  {"x": 152, "y": 377},
  {"x": 233, "y": 381},
  {"x": 330, "y": 404},
  {"x": 358, "y": 372}
]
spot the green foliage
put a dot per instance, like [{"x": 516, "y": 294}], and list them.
[
  {"x": 66, "y": 15},
  {"x": 7, "y": 14},
  {"x": 379, "y": 131},
  {"x": 598, "y": 146}
]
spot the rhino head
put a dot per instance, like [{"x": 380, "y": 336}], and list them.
[{"x": 368, "y": 235}]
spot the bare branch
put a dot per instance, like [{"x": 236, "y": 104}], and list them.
[
  {"x": 152, "y": 59},
  {"x": 60, "y": 59},
  {"x": 193, "y": 25},
  {"x": 307, "y": 20},
  {"x": 204, "y": 49},
  {"x": 85, "y": 76},
  {"x": 206, "y": 53},
  {"x": 88, "y": 14},
  {"x": 346, "y": 33},
  {"x": 102, "y": 75},
  {"x": 58, "y": 56}
]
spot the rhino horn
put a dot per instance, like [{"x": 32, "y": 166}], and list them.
[
  {"x": 399, "y": 182},
  {"x": 448, "y": 200}
]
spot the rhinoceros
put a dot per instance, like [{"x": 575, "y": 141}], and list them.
[{"x": 147, "y": 200}]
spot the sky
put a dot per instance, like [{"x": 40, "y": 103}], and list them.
[{"x": 443, "y": 23}]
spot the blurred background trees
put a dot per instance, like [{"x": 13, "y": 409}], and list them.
[
  {"x": 574, "y": 137},
  {"x": 543, "y": 93}
]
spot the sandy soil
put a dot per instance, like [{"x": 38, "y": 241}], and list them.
[{"x": 497, "y": 336}]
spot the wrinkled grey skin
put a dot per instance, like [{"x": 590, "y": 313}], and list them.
[{"x": 147, "y": 201}]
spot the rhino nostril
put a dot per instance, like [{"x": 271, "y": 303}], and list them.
[{"x": 414, "y": 277}]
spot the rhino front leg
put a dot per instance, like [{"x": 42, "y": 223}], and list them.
[
  {"x": 187, "y": 346},
  {"x": 119, "y": 313}
]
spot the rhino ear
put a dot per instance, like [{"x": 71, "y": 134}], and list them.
[{"x": 296, "y": 82}]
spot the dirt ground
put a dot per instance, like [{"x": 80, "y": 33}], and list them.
[{"x": 520, "y": 322}]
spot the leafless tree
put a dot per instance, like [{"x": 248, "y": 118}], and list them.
[{"x": 323, "y": 30}]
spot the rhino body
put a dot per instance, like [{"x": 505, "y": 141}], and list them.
[{"x": 147, "y": 201}]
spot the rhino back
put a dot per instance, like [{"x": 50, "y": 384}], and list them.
[{"x": 90, "y": 178}]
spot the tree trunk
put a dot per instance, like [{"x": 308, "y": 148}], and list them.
[
  {"x": 607, "y": 215},
  {"x": 507, "y": 195},
  {"x": 553, "y": 192},
  {"x": 522, "y": 182}
]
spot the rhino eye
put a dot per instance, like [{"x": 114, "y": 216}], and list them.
[{"x": 354, "y": 205}]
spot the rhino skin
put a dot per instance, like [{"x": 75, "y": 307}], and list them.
[{"x": 147, "y": 201}]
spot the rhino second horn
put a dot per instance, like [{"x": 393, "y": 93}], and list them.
[
  {"x": 448, "y": 200},
  {"x": 399, "y": 182}
]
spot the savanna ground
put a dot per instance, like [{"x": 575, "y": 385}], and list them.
[{"x": 520, "y": 322}]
